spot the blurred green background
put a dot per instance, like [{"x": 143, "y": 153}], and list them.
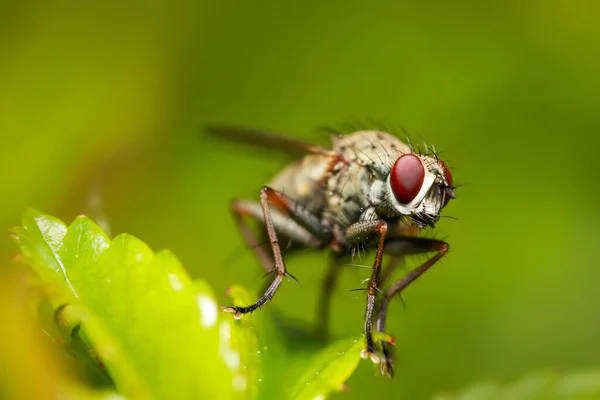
[{"x": 101, "y": 105}]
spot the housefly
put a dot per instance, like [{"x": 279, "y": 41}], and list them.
[{"x": 368, "y": 189}]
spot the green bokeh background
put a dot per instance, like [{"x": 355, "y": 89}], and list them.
[{"x": 100, "y": 107}]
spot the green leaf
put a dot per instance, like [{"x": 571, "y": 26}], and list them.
[
  {"x": 240, "y": 347},
  {"x": 331, "y": 368},
  {"x": 539, "y": 386},
  {"x": 156, "y": 331},
  {"x": 40, "y": 238},
  {"x": 257, "y": 340}
]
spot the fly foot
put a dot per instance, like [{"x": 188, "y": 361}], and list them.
[
  {"x": 387, "y": 365},
  {"x": 375, "y": 356},
  {"x": 237, "y": 314}
]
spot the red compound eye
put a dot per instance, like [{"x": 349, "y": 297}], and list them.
[
  {"x": 407, "y": 177},
  {"x": 447, "y": 174}
]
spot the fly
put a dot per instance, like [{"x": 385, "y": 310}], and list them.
[{"x": 368, "y": 189}]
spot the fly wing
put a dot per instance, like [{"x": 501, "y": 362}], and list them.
[{"x": 265, "y": 139}]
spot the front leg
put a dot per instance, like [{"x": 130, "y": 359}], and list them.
[
  {"x": 400, "y": 246},
  {"x": 359, "y": 233},
  {"x": 306, "y": 229}
]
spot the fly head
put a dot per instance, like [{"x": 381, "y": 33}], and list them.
[{"x": 418, "y": 187}]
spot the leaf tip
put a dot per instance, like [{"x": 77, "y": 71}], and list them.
[
  {"x": 31, "y": 214},
  {"x": 81, "y": 218},
  {"x": 30, "y": 211}
]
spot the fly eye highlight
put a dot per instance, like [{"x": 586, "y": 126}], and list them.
[{"x": 406, "y": 178}]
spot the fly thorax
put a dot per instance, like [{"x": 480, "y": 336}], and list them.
[
  {"x": 377, "y": 193},
  {"x": 348, "y": 191}
]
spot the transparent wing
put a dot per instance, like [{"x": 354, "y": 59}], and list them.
[{"x": 265, "y": 139}]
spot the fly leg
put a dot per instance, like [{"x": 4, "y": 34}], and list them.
[
  {"x": 403, "y": 246},
  {"x": 289, "y": 218},
  {"x": 359, "y": 233},
  {"x": 243, "y": 208},
  {"x": 386, "y": 272},
  {"x": 327, "y": 287},
  {"x": 390, "y": 268}
]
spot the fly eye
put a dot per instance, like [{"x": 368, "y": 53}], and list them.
[
  {"x": 406, "y": 178},
  {"x": 447, "y": 174}
]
